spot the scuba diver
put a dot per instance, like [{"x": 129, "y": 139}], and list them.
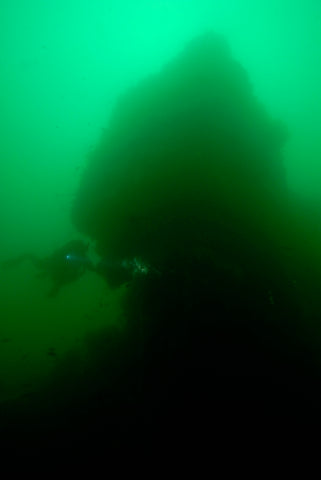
[
  {"x": 70, "y": 262},
  {"x": 118, "y": 272},
  {"x": 63, "y": 266}
]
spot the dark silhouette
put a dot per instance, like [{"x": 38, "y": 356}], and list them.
[{"x": 64, "y": 265}]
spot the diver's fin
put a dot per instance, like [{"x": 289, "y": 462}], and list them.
[
  {"x": 16, "y": 261},
  {"x": 54, "y": 291}
]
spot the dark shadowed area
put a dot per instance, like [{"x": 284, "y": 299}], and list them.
[{"x": 187, "y": 185}]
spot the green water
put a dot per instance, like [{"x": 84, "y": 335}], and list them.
[{"x": 63, "y": 67}]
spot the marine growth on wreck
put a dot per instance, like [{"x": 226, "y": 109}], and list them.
[{"x": 189, "y": 178}]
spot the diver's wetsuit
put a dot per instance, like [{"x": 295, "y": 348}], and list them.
[{"x": 64, "y": 265}]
